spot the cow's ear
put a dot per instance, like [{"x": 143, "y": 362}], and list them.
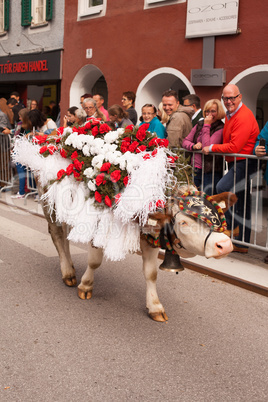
[{"x": 225, "y": 200}]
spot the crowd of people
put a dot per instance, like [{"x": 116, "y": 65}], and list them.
[{"x": 186, "y": 126}]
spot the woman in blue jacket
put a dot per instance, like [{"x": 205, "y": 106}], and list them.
[{"x": 149, "y": 117}]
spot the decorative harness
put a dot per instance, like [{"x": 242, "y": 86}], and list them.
[{"x": 199, "y": 205}]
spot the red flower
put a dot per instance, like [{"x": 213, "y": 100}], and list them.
[
  {"x": 146, "y": 156},
  {"x": 107, "y": 201},
  {"x": 141, "y": 148},
  {"x": 160, "y": 204},
  {"x": 95, "y": 131},
  {"x": 95, "y": 121},
  {"x": 78, "y": 165},
  {"x": 58, "y": 140},
  {"x": 164, "y": 143},
  {"x": 130, "y": 127},
  {"x": 40, "y": 139},
  {"x": 60, "y": 174},
  {"x": 115, "y": 176},
  {"x": 98, "y": 196},
  {"x": 60, "y": 130},
  {"x": 133, "y": 146},
  {"x": 125, "y": 180},
  {"x": 171, "y": 159},
  {"x": 100, "y": 179},
  {"x": 43, "y": 149},
  {"x": 63, "y": 153},
  {"x": 70, "y": 169},
  {"x": 141, "y": 133},
  {"x": 154, "y": 152},
  {"x": 52, "y": 148},
  {"x": 153, "y": 142},
  {"x": 105, "y": 167},
  {"x": 74, "y": 155},
  {"x": 125, "y": 144},
  {"x": 88, "y": 125},
  {"x": 104, "y": 128},
  {"x": 117, "y": 198},
  {"x": 127, "y": 139},
  {"x": 77, "y": 175},
  {"x": 81, "y": 130}
]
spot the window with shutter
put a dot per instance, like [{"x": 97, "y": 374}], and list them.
[
  {"x": 26, "y": 12},
  {"x": 91, "y": 7}
]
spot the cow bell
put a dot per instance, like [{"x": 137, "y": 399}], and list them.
[{"x": 171, "y": 263}]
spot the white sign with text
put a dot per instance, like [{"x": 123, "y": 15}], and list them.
[{"x": 211, "y": 18}]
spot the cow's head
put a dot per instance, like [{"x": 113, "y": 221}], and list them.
[{"x": 197, "y": 224}]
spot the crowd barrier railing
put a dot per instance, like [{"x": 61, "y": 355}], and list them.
[
  {"x": 6, "y": 171},
  {"x": 253, "y": 188}
]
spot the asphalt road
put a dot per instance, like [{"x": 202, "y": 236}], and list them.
[{"x": 56, "y": 347}]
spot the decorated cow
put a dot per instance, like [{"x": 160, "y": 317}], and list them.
[{"x": 122, "y": 191}]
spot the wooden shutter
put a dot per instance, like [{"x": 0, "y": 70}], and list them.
[
  {"x": 6, "y": 16},
  {"x": 26, "y": 14},
  {"x": 49, "y": 10}
]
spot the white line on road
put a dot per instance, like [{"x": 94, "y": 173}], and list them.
[{"x": 35, "y": 240}]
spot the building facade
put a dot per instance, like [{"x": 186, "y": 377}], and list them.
[
  {"x": 31, "y": 45},
  {"x": 111, "y": 46}
]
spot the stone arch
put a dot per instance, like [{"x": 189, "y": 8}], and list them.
[
  {"x": 156, "y": 82},
  {"x": 86, "y": 81}
]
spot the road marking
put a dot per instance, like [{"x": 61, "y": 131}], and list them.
[{"x": 35, "y": 240}]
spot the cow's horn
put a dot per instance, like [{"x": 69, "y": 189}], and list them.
[{"x": 171, "y": 263}]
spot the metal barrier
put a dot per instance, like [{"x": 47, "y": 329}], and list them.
[
  {"x": 253, "y": 188},
  {"x": 6, "y": 171}
]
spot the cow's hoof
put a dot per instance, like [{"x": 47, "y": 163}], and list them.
[
  {"x": 159, "y": 317},
  {"x": 70, "y": 281},
  {"x": 84, "y": 295}
]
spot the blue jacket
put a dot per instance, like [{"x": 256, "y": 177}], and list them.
[
  {"x": 263, "y": 134},
  {"x": 156, "y": 127}
]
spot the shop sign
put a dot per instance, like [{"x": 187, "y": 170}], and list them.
[
  {"x": 31, "y": 67},
  {"x": 208, "y": 77},
  {"x": 211, "y": 17}
]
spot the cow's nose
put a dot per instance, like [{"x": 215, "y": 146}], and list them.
[{"x": 224, "y": 247}]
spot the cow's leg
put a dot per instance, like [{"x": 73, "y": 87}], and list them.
[
  {"x": 58, "y": 235},
  {"x": 85, "y": 288},
  {"x": 149, "y": 256}
]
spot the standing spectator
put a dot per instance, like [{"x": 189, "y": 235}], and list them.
[
  {"x": 207, "y": 131},
  {"x": 128, "y": 100},
  {"x": 11, "y": 103},
  {"x": 161, "y": 114},
  {"x": 40, "y": 123},
  {"x": 179, "y": 124},
  {"x": 80, "y": 117},
  {"x": 91, "y": 109},
  {"x": 4, "y": 108},
  {"x": 239, "y": 136},
  {"x": 119, "y": 117},
  {"x": 69, "y": 118},
  {"x": 83, "y": 97},
  {"x": 33, "y": 104},
  {"x": 194, "y": 101},
  {"x": 149, "y": 117},
  {"x": 19, "y": 105},
  {"x": 99, "y": 101}
]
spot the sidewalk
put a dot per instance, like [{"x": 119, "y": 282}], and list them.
[{"x": 246, "y": 267}]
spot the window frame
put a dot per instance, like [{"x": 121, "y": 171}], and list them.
[
  {"x": 87, "y": 11},
  {"x": 5, "y": 26},
  {"x": 161, "y": 3}
]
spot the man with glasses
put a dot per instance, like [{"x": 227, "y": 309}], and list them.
[
  {"x": 239, "y": 136},
  {"x": 194, "y": 101}
]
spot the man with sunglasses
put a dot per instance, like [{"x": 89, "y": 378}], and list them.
[{"x": 239, "y": 137}]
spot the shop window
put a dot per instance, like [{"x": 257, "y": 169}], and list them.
[
  {"x": 4, "y": 16},
  {"x": 158, "y": 3},
  {"x": 91, "y": 7},
  {"x": 36, "y": 12}
]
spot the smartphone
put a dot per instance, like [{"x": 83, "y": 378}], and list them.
[{"x": 262, "y": 142}]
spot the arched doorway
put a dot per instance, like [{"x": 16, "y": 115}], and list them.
[
  {"x": 89, "y": 79},
  {"x": 253, "y": 84},
  {"x": 155, "y": 83}
]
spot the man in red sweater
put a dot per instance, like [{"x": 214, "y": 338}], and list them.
[{"x": 239, "y": 136}]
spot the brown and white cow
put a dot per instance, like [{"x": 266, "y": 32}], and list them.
[{"x": 193, "y": 237}]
